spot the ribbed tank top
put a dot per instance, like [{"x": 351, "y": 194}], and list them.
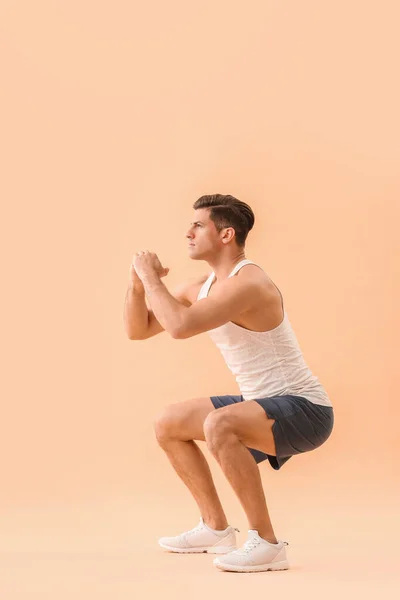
[{"x": 265, "y": 363}]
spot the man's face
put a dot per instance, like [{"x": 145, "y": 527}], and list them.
[{"x": 201, "y": 235}]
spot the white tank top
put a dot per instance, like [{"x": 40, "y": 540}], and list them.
[{"x": 265, "y": 363}]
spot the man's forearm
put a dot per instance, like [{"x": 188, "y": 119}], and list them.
[
  {"x": 135, "y": 313},
  {"x": 168, "y": 311}
]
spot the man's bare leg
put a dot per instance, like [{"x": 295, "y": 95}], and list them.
[
  {"x": 244, "y": 476},
  {"x": 191, "y": 465},
  {"x": 238, "y": 464}
]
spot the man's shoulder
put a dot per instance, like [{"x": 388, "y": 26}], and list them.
[
  {"x": 253, "y": 278},
  {"x": 252, "y": 272},
  {"x": 190, "y": 288}
]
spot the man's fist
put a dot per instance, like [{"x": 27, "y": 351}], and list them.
[{"x": 145, "y": 264}]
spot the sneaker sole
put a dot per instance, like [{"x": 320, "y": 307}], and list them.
[
  {"x": 281, "y": 565},
  {"x": 199, "y": 549}
]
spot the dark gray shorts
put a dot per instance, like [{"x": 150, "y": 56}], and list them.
[{"x": 300, "y": 425}]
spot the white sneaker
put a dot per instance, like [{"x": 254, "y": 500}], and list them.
[
  {"x": 257, "y": 554},
  {"x": 201, "y": 539}
]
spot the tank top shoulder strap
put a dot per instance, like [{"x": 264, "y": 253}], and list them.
[
  {"x": 241, "y": 264},
  {"x": 203, "y": 293}
]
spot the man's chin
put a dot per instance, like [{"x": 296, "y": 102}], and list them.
[{"x": 195, "y": 253}]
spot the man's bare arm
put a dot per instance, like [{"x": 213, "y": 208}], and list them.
[
  {"x": 231, "y": 299},
  {"x": 153, "y": 325},
  {"x": 135, "y": 312},
  {"x": 140, "y": 321}
]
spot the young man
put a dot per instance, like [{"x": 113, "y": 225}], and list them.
[{"x": 282, "y": 410}]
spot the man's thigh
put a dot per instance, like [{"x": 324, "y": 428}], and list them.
[
  {"x": 184, "y": 420},
  {"x": 249, "y": 422}
]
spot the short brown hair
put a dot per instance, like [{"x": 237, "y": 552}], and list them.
[{"x": 228, "y": 211}]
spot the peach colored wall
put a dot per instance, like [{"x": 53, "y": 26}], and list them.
[{"x": 115, "y": 118}]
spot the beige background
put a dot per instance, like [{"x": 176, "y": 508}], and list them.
[{"x": 115, "y": 118}]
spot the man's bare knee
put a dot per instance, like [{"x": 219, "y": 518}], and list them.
[
  {"x": 183, "y": 420},
  {"x": 165, "y": 424}
]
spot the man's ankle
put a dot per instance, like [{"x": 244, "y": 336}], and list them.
[
  {"x": 269, "y": 539},
  {"x": 217, "y": 526}
]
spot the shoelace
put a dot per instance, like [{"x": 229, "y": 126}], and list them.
[
  {"x": 200, "y": 526},
  {"x": 253, "y": 543},
  {"x": 250, "y": 545},
  {"x": 197, "y": 528}
]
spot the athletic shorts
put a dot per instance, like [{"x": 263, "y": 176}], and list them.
[{"x": 300, "y": 425}]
